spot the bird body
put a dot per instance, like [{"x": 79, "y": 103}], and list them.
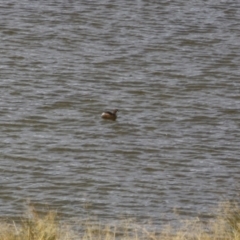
[{"x": 110, "y": 115}]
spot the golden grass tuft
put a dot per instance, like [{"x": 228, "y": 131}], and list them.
[{"x": 36, "y": 226}]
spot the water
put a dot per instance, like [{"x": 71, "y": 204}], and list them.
[{"x": 171, "y": 68}]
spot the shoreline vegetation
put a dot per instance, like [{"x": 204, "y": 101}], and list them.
[{"x": 36, "y": 226}]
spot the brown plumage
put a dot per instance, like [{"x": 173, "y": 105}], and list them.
[{"x": 110, "y": 115}]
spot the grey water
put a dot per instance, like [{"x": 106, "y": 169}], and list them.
[{"x": 172, "y": 70}]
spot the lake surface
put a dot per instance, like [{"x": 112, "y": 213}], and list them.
[{"x": 172, "y": 70}]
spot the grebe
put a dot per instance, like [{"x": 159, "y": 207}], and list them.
[{"x": 110, "y": 115}]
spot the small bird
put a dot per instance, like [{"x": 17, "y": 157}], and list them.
[{"x": 110, "y": 115}]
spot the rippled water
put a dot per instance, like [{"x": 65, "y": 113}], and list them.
[{"x": 170, "y": 67}]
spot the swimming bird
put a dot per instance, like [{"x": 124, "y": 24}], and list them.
[{"x": 110, "y": 115}]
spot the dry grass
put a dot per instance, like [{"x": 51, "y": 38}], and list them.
[{"x": 37, "y": 227}]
